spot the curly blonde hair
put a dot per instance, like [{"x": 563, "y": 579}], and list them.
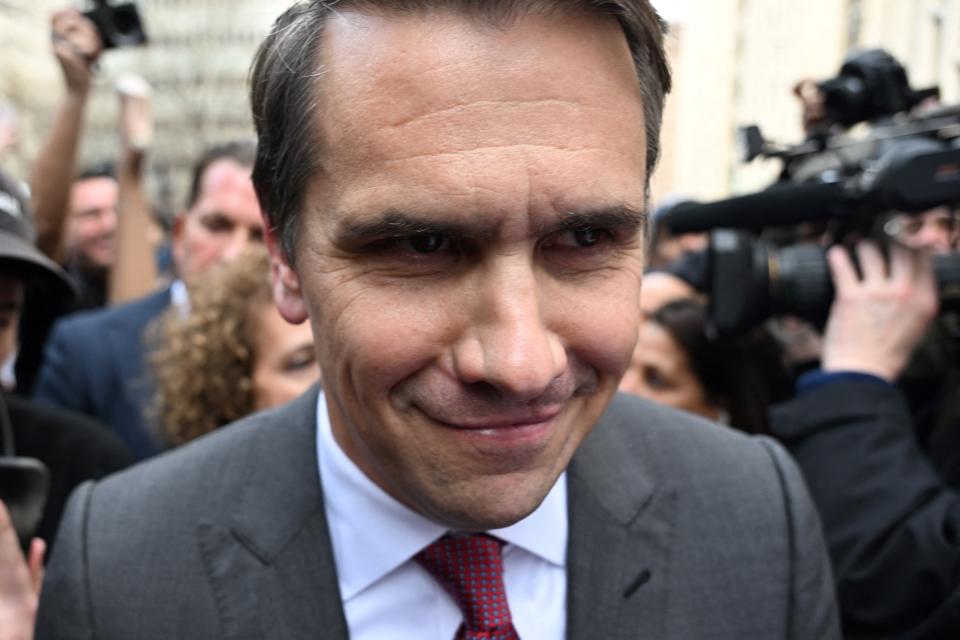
[{"x": 203, "y": 361}]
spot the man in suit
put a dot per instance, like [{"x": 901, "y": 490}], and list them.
[
  {"x": 94, "y": 362},
  {"x": 454, "y": 194}
]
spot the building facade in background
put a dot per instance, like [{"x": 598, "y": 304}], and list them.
[
  {"x": 735, "y": 62},
  {"x": 197, "y": 61}
]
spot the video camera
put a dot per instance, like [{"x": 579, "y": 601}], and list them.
[
  {"x": 118, "y": 24},
  {"x": 848, "y": 185}
]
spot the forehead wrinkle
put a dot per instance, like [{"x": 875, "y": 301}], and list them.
[
  {"x": 465, "y": 107},
  {"x": 519, "y": 147}
]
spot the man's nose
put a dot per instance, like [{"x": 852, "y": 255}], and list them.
[
  {"x": 107, "y": 220},
  {"x": 509, "y": 343},
  {"x": 933, "y": 236},
  {"x": 239, "y": 242}
]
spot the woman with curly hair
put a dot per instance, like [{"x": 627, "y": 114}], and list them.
[{"x": 231, "y": 354}]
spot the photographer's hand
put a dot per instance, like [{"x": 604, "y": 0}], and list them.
[
  {"x": 77, "y": 46},
  {"x": 877, "y": 321},
  {"x": 19, "y": 582}
]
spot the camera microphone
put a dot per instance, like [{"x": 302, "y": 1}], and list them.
[{"x": 780, "y": 205}]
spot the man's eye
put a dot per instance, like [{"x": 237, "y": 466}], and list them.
[
  {"x": 655, "y": 379},
  {"x": 584, "y": 238},
  {"x": 426, "y": 243},
  {"x": 217, "y": 223},
  {"x": 588, "y": 237}
]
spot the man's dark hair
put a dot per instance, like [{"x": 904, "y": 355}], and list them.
[
  {"x": 284, "y": 80},
  {"x": 242, "y": 152},
  {"x": 97, "y": 170}
]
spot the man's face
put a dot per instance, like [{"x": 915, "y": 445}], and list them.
[
  {"x": 11, "y": 306},
  {"x": 934, "y": 230},
  {"x": 470, "y": 257},
  {"x": 221, "y": 224},
  {"x": 92, "y": 222}
]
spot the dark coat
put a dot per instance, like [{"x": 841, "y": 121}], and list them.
[
  {"x": 94, "y": 364},
  {"x": 73, "y": 447},
  {"x": 891, "y": 521}
]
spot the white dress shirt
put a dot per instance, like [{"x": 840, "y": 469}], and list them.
[{"x": 388, "y": 596}]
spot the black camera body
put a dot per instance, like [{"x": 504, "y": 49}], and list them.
[
  {"x": 845, "y": 187},
  {"x": 118, "y": 24},
  {"x": 871, "y": 85}
]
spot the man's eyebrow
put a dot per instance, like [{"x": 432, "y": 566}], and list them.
[
  {"x": 399, "y": 224},
  {"x": 619, "y": 216}
]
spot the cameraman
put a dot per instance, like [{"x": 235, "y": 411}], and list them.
[{"x": 891, "y": 521}]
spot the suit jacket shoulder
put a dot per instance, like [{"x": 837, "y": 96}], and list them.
[
  {"x": 684, "y": 529},
  {"x": 234, "y": 519}
]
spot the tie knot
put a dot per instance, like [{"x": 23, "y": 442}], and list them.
[{"x": 470, "y": 568}]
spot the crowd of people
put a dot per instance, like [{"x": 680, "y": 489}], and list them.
[{"x": 520, "y": 372}]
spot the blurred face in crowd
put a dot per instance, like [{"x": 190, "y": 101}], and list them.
[
  {"x": 470, "y": 258},
  {"x": 659, "y": 288},
  {"x": 284, "y": 364},
  {"x": 935, "y": 230},
  {"x": 669, "y": 247},
  {"x": 11, "y": 306},
  {"x": 92, "y": 222},
  {"x": 661, "y": 371},
  {"x": 221, "y": 224}
]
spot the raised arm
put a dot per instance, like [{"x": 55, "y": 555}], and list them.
[
  {"x": 77, "y": 46},
  {"x": 134, "y": 272}
]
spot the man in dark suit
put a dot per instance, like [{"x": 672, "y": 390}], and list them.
[
  {"x": 455, "y": 196},
  {"x": 94, "y": 362}
]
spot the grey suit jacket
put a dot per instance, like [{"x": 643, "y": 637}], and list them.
[{"x": 678, "y": 529}]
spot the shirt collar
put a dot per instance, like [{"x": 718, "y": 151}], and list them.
[
  {"x": 361, "y": 516},
  {"x": 180, "y": 297}
]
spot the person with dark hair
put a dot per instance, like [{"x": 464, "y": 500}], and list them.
[
  {"x": 93, "y": 362},
  {"x": 454, "y": 194},
  {"x": 733, "y": 380}
]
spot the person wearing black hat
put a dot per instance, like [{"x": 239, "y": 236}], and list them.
[{"x": 72, "y": 447}]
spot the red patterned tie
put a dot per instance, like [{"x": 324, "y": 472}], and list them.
[{"x": 470, "y": 568}]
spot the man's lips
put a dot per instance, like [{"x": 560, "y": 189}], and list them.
[{"x": 491, "y": 423}]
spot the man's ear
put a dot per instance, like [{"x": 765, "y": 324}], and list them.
[{"x": 286, "y": 283}]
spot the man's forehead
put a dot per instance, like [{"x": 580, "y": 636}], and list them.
[
  {"x": 225, "y": 178},
  {"x": 411, "y": 63},
  {"x": 394, "y": 90}
]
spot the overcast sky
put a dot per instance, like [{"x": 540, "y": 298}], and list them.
[{"x": 672, "y": 10}]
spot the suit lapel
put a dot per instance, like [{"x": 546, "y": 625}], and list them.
[
  {"x": 620, "y": 544},
  {"x": 269, "y": 558}
]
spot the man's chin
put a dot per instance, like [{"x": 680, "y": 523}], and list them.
[{"x": 490, "y": 503}]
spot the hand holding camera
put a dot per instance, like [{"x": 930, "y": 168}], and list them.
[
  {"x": 880, "y": 315},
  {"x": 77, "y": 45}
]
